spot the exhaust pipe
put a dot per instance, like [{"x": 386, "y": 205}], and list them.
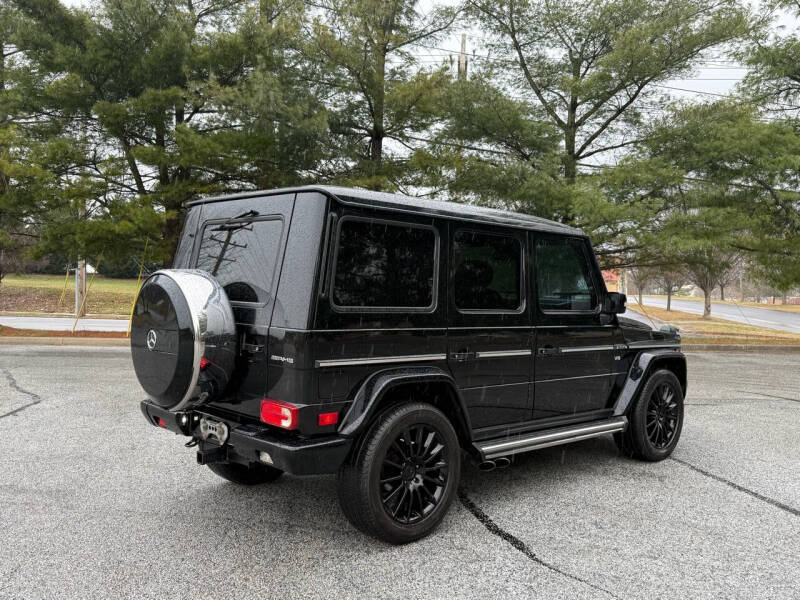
[
  {"x": 487, "y": 465},
  {"x": 502, "y": 462}
]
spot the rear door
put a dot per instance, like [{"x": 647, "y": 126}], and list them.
[
  {"x": 489, "y": 329},
  {"x": 241, "y": 243},
  {"x": 574, "y": 348}
]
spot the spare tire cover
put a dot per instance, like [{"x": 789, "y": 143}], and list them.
[{"x": 183, "y": 338}]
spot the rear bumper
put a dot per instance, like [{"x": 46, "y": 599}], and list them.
[{"x": 247, "y": 442}]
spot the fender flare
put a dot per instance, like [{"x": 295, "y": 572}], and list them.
[
  {"x": 637, "y": 375},
  {"x": 367, "y": 398}
]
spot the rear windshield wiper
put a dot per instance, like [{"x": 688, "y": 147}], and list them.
[{"x": 234, "y": 223}]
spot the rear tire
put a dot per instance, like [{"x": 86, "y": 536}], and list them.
[
  {"x": 402, "y": 478},
  {"x": 243, "y": 475},
  {"x": 656, "y": 419}
]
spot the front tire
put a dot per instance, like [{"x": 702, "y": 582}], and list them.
[
  {"x": 656, "y": 419},
  {"x": 403, "y": 476},
  {"x": 253, "y": 475}
]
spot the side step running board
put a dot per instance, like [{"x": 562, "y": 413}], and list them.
[{"x": 490, "y": 449}]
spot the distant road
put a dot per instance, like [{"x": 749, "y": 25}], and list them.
[
  {"x": 749, "y": 315},
  {"x": 64, "y": 324}
]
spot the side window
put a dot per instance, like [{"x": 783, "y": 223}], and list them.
[
  {"x": 487, "y": 272},
  {"x": 384, "y": 265},
  {"x": 563, "y": 276}
]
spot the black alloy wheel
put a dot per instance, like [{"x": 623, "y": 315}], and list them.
[
  {"x": 414, "y": 474},
  {"x": 662, "y": 416},
  {"x": 655, "y": 420},
  {"x": 402, "y": 475}
]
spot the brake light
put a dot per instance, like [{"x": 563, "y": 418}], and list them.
[
  {"x": 330, "y": 418},
  {"x": 280, "y": 414},
  {"x": 204, "y": 362},
  {"x": 161, "y": 423}
]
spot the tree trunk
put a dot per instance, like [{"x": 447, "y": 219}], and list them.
[
  {"x": 669, "y": 299},
  {"x": 640, "y": 295},
  {"x": 722, "y": 293},
  {"x": 706, "y": 304},
  {"x": 570, "y": 161},
  {"x": 376, "y": 141}
]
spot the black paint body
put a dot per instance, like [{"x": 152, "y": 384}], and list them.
[{"x": 494, "y": 373}]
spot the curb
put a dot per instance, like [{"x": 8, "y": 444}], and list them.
[
  {"x": 761, "y": 349},
  {"x": 62, "y": 341}
]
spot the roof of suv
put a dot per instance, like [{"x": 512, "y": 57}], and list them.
[{"x": 398, "y": 202}]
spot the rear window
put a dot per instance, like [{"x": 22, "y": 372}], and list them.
[
  {"x": 243, "y": 256},
  {"x": 381, "y": 265}
]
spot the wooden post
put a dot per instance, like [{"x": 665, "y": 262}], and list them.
[{"x": 80, "y": 289}]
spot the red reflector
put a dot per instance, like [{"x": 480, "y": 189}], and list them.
[
  {"x": 161, "y": 423},
  {"x": 280, "y": 414},
  {"x": 204, "y": 362},
  {"x": 328, "y": 418}
]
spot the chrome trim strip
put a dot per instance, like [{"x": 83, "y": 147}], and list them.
[
  {"x": 634, "y": 346},
  {"x": 378, "y": 360},
  {"x": 484, "y": 387},
  {"x": 582, "y": 377},
  {"x": 574, "y": 349},
  {"x": 502, "y": 353},
  {"x": 565, "y": 435}
]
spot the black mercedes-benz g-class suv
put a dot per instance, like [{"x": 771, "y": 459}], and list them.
[{"x": 333, "y": 330}]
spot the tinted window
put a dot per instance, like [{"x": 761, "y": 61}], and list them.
[
  {"x": 384, "y": 265},
  {"x": 563, "y": 275},
  {"x": 242, "y": 255},
  {"x": 487, "y": 271}
]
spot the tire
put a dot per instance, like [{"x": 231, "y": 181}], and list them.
[
  {"x": 408, "y": 463},
  {"x": 656, "y": 419},
  {"x": 243, "y": 475}
]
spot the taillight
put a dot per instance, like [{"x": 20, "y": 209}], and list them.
[
  {"x": 278, "y": 413},
  {"x": 204, "y": 362},
  {"x": 330, "y": 418}
]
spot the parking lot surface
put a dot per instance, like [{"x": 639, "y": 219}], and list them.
[{"x": 95, "y": 503}]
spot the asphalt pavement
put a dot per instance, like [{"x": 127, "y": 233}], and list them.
[
  {"x": 749, "y": 315},
  {"x": 95, "y": 503}
]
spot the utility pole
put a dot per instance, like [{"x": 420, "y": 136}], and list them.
[{"x": 462, "y": 58}]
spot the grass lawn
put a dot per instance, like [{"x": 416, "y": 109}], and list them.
[
  {"x": 41, "y": 293},
  {"x": 695, "y": 329}
]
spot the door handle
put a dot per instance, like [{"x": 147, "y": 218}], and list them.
[
  {"x": 548, "y": 351},
  {"x": 462, "y": 356}
]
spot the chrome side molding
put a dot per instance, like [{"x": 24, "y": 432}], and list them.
[
  {"x": 378, "y": 360},
  {"x": 536, "y": 440}
]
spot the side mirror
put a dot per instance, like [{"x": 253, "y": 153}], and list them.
[{"x": 615, "y": 303}]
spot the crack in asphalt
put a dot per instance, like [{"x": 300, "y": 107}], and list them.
[
  {"x": 739, "y": 488},
  {"x": 770, "y": 396},
  {"x": 12, "y": 383},
  {"x": 518, "y": 544}
]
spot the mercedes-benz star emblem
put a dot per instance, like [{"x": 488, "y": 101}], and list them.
[{"x": 151, "y": 339}]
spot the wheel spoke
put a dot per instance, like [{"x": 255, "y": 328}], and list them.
[
  {"x": 418, "y": 441},
  {"x": 400, "y": 502},
  {"x": 390, "y": 479},
  {"x": 399, "y": 450}
]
